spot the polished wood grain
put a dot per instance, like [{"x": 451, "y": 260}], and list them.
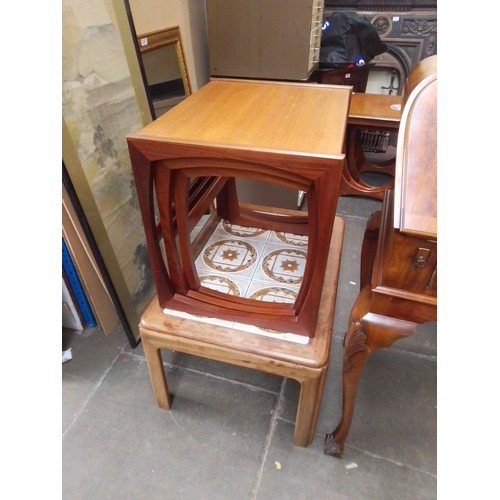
[
  {"x": 306, "y": 363},
  {"x": 258, "y": 115},
  {"x": 375, "y": 109},
  {"x": 422, "y": 71},
  {"x": 398, "y": 275},
  {"x": 416, "y": 184},
  {"x": 287, "y": 134}
]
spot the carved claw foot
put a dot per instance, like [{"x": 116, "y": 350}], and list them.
[{"x": 331, "y": 447}]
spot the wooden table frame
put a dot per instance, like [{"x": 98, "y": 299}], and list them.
[
  {"x": 373, "y": 112},
  {"x": 380, "y": 315},
  {"x": 189, "y": 157},
  {"x": 376, "y": 112}
]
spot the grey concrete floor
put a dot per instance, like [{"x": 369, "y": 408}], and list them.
[{"x": 229, "y": 432}]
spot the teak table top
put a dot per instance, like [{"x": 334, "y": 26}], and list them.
[
  {"x": 367, "y": 109},
  {"x": 277, "y": 116}
]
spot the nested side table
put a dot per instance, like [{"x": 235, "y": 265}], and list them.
[
  {"x": 286, "y": 134},
  {"x": 372, "y": 113}
]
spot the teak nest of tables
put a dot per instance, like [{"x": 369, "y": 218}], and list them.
[{"x": 186, "y": 162}]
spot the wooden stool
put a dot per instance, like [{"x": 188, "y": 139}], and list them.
[{"x": 305, "y": 362}]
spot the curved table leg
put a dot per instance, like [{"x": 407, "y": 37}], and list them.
[
  {"x": 364, "y": 335},
  {"x": 356, "y": 162}
]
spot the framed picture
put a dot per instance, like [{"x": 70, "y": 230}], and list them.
[{"x": 100, "y": 105}]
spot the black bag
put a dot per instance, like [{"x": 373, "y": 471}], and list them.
[{"x": 348, "y": 39}]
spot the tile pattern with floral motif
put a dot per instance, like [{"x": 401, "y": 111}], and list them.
[{"x": 253, "y": 263}]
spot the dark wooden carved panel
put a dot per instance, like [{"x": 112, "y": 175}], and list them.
[
  {"x": 388, "y": 5},
  {"x": 408, "y": 28}
]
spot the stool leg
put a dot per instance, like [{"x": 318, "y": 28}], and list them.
[
  {"x": 157, "y": 375},
  {"x": 311, "y": 390}
]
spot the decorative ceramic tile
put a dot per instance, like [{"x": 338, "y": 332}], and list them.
[
  {"x": 222, "y": 283},
  {"x": 271, "y": 293},
  {"x": 245, "y": 232},
  {"x": 252, "y": 263},
  {"x": 229, "y": 256},
  {"x": 289, "y": 239},
  {"x": 234, "y": 256},
  {"x": 281, "y": 265}
]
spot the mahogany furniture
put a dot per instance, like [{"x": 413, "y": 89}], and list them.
[
  {"x": 398, "y": 276},
  {"x": 305, "y": 362},
  {"x": 191, "y": 156}
]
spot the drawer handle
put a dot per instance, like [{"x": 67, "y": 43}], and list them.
[{"x": 421, "y": 257}]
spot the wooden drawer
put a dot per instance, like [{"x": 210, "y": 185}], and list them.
[
  {"x": 409, "y": 263},
  {"x": 404, "y": 265}
]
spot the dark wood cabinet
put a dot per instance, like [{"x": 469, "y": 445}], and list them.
[{"x": 407, "y": 263}]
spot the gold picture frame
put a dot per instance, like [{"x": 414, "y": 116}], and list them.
[{"x": 165, "y": 38}]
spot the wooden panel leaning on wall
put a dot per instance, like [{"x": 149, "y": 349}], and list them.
[{"x": 88, "y": 271}]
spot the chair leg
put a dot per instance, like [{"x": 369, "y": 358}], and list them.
[
  {"x": 157, "y": 375},
  {"x": 311, "y": 390}
]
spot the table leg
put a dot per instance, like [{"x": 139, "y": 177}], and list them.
[
  {"x": 365, "y": 334},
  {"x": 156, "y": 374},
  {"x": 369, "y": 248},
  {"x": 311, "y": 390},
  {"x": 356, "y": 162}
]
